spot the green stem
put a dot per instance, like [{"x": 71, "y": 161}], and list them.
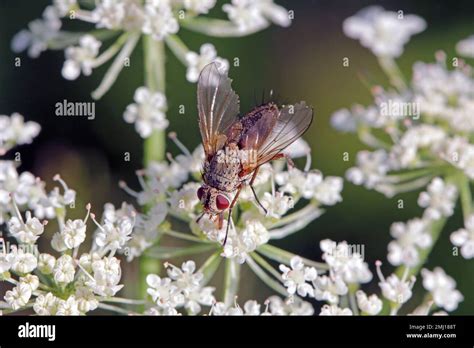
[
  {"x": 393, "y": 72},
  {"x": 178, "y": 47},
  {"x": 264, "y": 277},
  {"x": 169, "y": 252},
  {"x": 465, "y": 193},
  {"x": 352, "y": 298},
  {"x": 218, "y": 27},
  {"x": 210, "y": 267},
  {"x": 231, "y": 281},
  {"x": 283, "y": 256},
  {"x": 154, "y": 146}
]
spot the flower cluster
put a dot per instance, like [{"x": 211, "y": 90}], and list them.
[
  {"x": 68, "y": 281},
  {"x": 338, "y": 282},
  {"x": 15, "y": 131},
  {"x": 158, "y": 22},
  {"x": 182, "y": 288},
  {"x": 167, "y": 190},
  {"x": 421, "y": 134}
]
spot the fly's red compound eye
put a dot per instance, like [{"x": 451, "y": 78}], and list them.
[
  {"x": 222, "y": 202},
  {"x": 200, "y": 192}
]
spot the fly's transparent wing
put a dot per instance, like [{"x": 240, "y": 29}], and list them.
[
  {"x": 218, "y": 107},
  {"x": 292, "y": 122}
]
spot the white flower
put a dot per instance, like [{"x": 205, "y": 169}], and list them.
[
  {"x": 278, "y": 204},
  {"x": 23, "y": 189},
  {"x": 26, "y": 232},
  {"x": 68, "y": 307},
  {"x": 406, "y": 152},
  {"x": 64, "y": 6},
  {"x": 240, "y": 243},
  {"x": 189, "y": 282},
  {"x": 442, "y": 287},
  {"x": 192, "y": 163},
  {"x": 458, "y": 152},
  {"x": 114, "y": 233},
  {"x": 18, "y": 296},
  {"x": 185, "y": 278},
  {"x": 395, "y": 289},
  {"x": 310, "y": 185},
  {"x": 86, "y": 300},
  {"x": 5, "y": 260},
  {"x": 371, "y": 168},
  {"x": 145, "y": 231},
  {"x": 148, "y": 112},
  {"x": 170, "y": 175},
  {"x": 384, "y": 32},
  {"x": 64, "y": 270},
  {"x": 345, "y": 261},
  {"x": 46, "y": 304},
  {"x": 23, "y": 262},
  {"x": 196, "y": 62},
  {"x": 295, "y": 278},
  {"x": 334, "y": 310},
  {"x": 329, "y": 288},
  {"x": 438, "y": 200},
  {"x": 199, "y": 6},
  {"x": 466, "y": 47},
  {"x": 162, "y": 311},
  {"x": 31, "y": 280},
  {"x": 106, "y": 273},
  {"x": 371, "y": 305},
  {"x": 40, "y": 32},
  {"x": 464, "y": 238},
  {"x": 119, "y": 14},
  {"x": 409, "y": 237},
  {"x": 74, "y": 233},
  {"x": 81, "y": 58},
  {"x": 329, "y": 191},
  {"x": 185, "y": 199},
  {"x": 15, "y": 131},
  {"x": 252, "y": 15},
  {"x": 46, "y": 263},
  {"x": 159, "y": 19},
  {"x": 58, "y": 200},
  {"x": 163, "y": 292},
  {"x": 292, "y": 306},
  {"x": 445, "y": 94},
  {"x": 343, "y": 121},
  {"x": 211, "y": 229}
]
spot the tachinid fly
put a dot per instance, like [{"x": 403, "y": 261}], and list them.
[{"x": 235, "y": 147}]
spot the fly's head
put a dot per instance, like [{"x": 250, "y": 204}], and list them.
[{"x": 213, "y": 200}]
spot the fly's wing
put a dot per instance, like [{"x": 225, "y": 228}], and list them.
[
  {"x": 272, "y": 136},
  {"x": 218, "y": 107}
]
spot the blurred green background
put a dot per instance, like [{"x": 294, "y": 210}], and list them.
[{"x": 302, "y": 62}]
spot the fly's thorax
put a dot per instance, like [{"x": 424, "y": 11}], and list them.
[{"x": 224, "y": 168}]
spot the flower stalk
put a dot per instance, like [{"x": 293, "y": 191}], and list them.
[{"x": 155, "y": 145}]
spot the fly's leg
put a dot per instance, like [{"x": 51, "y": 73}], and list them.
[
  {"x": 220, "y": 221},
  {"x": 230, "y": 213},
  {"x": 200, "y": 217},
  {"x": 253, "y": 190}
]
